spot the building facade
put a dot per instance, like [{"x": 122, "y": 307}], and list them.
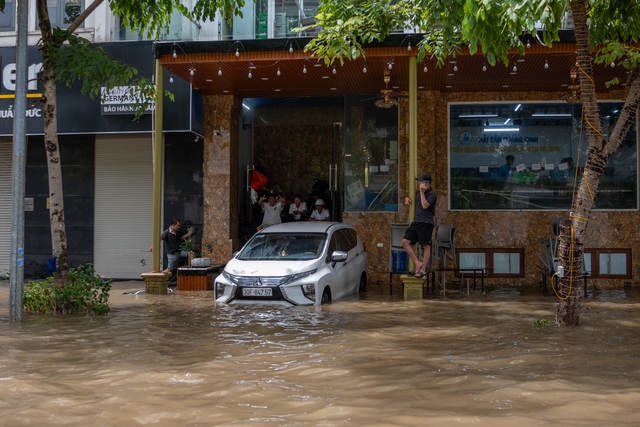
[{"x": 266, "y": 105}]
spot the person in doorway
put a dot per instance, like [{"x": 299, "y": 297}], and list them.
[
  {"x": 298, "y": 209},
  {"x": 320, "y": 213},
  {"x": 421, "y": 229},
  {"x": 172, "y": 239},
  {"x": 504, "y": 171},
  {"x": 272, "y": 210}
]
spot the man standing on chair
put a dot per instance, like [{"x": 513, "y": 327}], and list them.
[{"x": 421, "y": 229}]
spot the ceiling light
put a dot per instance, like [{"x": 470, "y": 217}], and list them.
[
  {"x": 552, "y": 115},
  {"x": 455, "y": 68},
  {"x": 219, "y": 71},
  {"x": 364, "y": 69},
  {"x": 209, "y": 80},
  {"x": 251, "y": 66},
  {"x": 278, "y": 72},
  {"x": 425, "y": 69},
  {"x": 515, "y": 68},
  {"x": 277, "y": 90},
  {"x": 518, "y": 107},
  {"x": 334, "y": 70},
  {"x": 192, "y": 71},
  {"x": 484, "y": 67},
  {"x": 304, "y": 69},
  {"x": 264, "y": 78},
  {"x": 546, "y": 64},
  {"x": 250, "y": 75}
]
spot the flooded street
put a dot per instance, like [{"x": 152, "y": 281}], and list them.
[{"x": 372, "y": 360}]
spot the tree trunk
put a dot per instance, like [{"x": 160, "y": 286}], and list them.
[
  {"x": 50, "y": 117},
  {"x": 572, "y": 233}
]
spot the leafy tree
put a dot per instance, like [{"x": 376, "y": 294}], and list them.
[
  {"x": 69, "y": 58},
  {"x": 605, "y": 32}
]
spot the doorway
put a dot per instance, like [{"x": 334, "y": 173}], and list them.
[{"x": 295, "y": 143}]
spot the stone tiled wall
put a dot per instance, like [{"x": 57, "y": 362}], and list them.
[{"x": 220, "y": 183}]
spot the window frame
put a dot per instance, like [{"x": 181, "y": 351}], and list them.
[
  {"x": 489, "y": 267},
  {"x": 10, "y": 10},
  {"x": 595, "y": 262}
]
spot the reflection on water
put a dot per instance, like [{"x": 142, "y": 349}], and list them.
[{"x": 183, "y": 360}]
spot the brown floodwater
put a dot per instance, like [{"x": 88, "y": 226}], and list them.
[{"x": 370, "y": 360}]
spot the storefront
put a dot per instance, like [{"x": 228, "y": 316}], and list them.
[{"x": 106, "y": 168}]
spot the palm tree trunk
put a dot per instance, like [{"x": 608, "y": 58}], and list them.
[{"x": 572, "y": 234}]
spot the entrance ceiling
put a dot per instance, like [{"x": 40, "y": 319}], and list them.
[{"x": 214, "y": 69}]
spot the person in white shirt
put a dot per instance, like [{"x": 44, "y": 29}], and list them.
[
  {"x": 271, "y": 210},
  {"x": 320, "y": 214},
  {"x": 298, "y": 209}
]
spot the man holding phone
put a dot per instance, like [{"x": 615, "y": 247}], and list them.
[{"x": 421, "y": 229}]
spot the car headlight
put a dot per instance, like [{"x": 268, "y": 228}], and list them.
[
  {"x": 309, "y": 291},
  {"x": 230, "y": 277},
  {"x": 298, "y": 276}
]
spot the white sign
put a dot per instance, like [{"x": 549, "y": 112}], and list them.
[{"x": 122, "y": 100}]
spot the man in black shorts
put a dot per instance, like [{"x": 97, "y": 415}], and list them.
[{"x": 421, "y": 229}]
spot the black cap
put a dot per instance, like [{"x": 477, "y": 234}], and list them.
[{"x": 424, "y": 177}]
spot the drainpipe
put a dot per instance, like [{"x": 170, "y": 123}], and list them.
[{"x": 157, "y": 165}]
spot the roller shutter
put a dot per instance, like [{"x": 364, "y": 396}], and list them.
[
  {"x": 123, "y": 206},
  {"x": 6, "y": 201}
]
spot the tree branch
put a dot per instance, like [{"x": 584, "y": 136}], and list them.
[{"x": 81, "y": 18}]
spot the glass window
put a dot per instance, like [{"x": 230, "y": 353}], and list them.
[
  {"x": 7, "y": 19},
  {"x": 613, "y": 264},
  {"x": 470, "y": 260},
  {"x": 506, "y": 263},
  {"x": 528, "y": 155},
  {"x": 62, "y": 13},
  {"x": 370, "y": 154}
]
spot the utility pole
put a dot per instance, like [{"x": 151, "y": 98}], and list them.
[{"x": 16, "y": 272}]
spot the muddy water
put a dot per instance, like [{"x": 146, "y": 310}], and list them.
[{"x": 183, "y": 360}]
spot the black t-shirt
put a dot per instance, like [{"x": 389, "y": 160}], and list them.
[
  {"x": 426, "y": 215},
  {"x": 171, "y": 241}
]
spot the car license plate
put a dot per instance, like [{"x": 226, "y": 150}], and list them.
[{"x": 257, "y": 292}]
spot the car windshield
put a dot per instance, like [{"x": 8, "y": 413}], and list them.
[{"x": 286, "y": 247}]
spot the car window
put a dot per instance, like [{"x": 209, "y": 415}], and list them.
[
  {"x": 278, "y": 246},
  {"x": 337, "y": 243},
  {"x": 350, "y": 238}
]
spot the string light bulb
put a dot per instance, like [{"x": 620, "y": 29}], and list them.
[
  {"x": 546, "y": 64},
  {"x": 304, "y": 69},
  {"x": 425, "y": 69},
  {"x": 484, "y": 67},
  {"x": 250, "y": 75},
  {"x": 192, "y": 71},
  {"x": 171, "y": 78},
  {"x": 278, "y": 72},
  {"x": 455, "y": 68},
  {"x": 219, "y": 71},
  {"x": 528, "y": 44},
  {"x": 390, "y": 65},
  {"x": 237, "y": 52},
  {"x": 409, "y": 46},
  {"x": 364, "y": 69},
  {"x": 290, "y": 47},
  {"x": 613, "y": 64},
  {"x": 175, "y": 54},
  {"x": 334, "y": 70},
  {"x": 515, "y": 68}
]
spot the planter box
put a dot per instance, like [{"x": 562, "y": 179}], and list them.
[{"x": 197, "y": 278}]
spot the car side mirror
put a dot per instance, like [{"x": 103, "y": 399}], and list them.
[{"x": 338, "y": 256}]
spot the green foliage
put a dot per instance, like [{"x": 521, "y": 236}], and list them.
[
  {"x": 489, "y": 27},
  {"x": 542, "y": 322},
  {"x": 85, "y": 293}
]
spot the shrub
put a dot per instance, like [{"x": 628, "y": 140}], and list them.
[{"x": 85, "y": 293}]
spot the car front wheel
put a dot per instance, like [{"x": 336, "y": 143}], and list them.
[{"x": 326, "y": 297}]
